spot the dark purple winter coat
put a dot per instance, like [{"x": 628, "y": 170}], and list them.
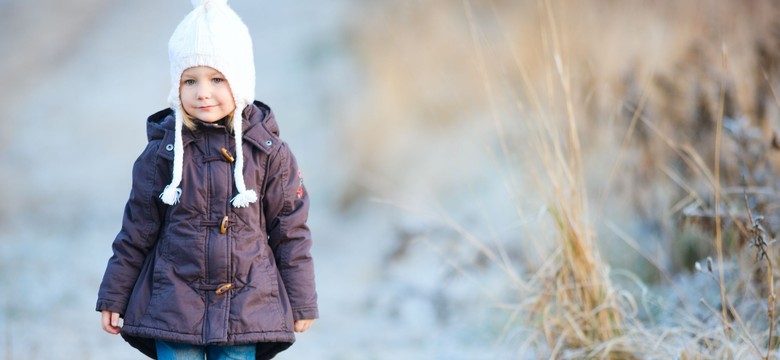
[{"x": 201, "y": 271}]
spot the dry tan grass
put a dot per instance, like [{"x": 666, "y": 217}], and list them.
[{"x": 613, "y": 112}]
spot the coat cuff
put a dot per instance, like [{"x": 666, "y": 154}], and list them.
[
  {"x": 309, "y": 313},
  {"x": 113, "y": 306}
]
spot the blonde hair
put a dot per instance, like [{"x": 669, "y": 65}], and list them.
[{"x": 190, "y": 123}]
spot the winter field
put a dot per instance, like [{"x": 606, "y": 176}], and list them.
[{"x": 490, "y": 179}]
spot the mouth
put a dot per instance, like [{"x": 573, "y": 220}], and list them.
[{"x": 208, "y": 107}]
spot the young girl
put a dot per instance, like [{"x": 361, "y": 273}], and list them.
[{"x": 213, "y": 255}]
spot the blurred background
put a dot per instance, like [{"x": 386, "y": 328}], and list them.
[{"x": 469, "y": 162}]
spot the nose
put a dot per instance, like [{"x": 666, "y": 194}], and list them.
[{"x": 204, "y": 92}]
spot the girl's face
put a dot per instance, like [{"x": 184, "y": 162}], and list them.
[{"x": 205, "y": 94}]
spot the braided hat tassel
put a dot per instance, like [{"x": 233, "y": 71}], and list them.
[
  {"x": 172, "y": 192},
  {"x": 244, "y": 197}
]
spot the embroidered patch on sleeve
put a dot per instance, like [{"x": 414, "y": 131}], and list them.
[{"x": 300, "y": 185}]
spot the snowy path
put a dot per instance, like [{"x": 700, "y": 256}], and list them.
[
  {"x": 70, "y": 137},
  {"x": 73, "y": 137}
]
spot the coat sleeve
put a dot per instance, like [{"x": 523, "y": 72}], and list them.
[
  {"x": 140, "y": 226},
  {"x": 286, "y": 203}
]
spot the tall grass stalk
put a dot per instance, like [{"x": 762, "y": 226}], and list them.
[
  {"x": 718, "y": 235},
  {"x": 581, "y": 310}
]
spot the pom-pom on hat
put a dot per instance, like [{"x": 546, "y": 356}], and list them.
[{"x": 212, "y": 35}]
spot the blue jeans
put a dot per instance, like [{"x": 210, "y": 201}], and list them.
[{"x": 176, "y": 351}]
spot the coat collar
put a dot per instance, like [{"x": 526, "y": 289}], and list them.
[{"x": 260, "y": 129}]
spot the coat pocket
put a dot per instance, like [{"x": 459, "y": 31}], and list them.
[
  {"x": 258, "y": 307},
  {"x": 174, "y": 306},
  {"x": 186, "y": 256}
]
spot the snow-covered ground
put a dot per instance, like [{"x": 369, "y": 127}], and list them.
[{"x": 80, "y": 78}]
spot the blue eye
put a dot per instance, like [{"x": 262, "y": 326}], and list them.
[
  {"x": 189, "y": 82},
  {"x": 217, "y": 80}
]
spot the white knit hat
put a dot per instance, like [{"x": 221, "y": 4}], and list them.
[{"x": 212, "y": 35}]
